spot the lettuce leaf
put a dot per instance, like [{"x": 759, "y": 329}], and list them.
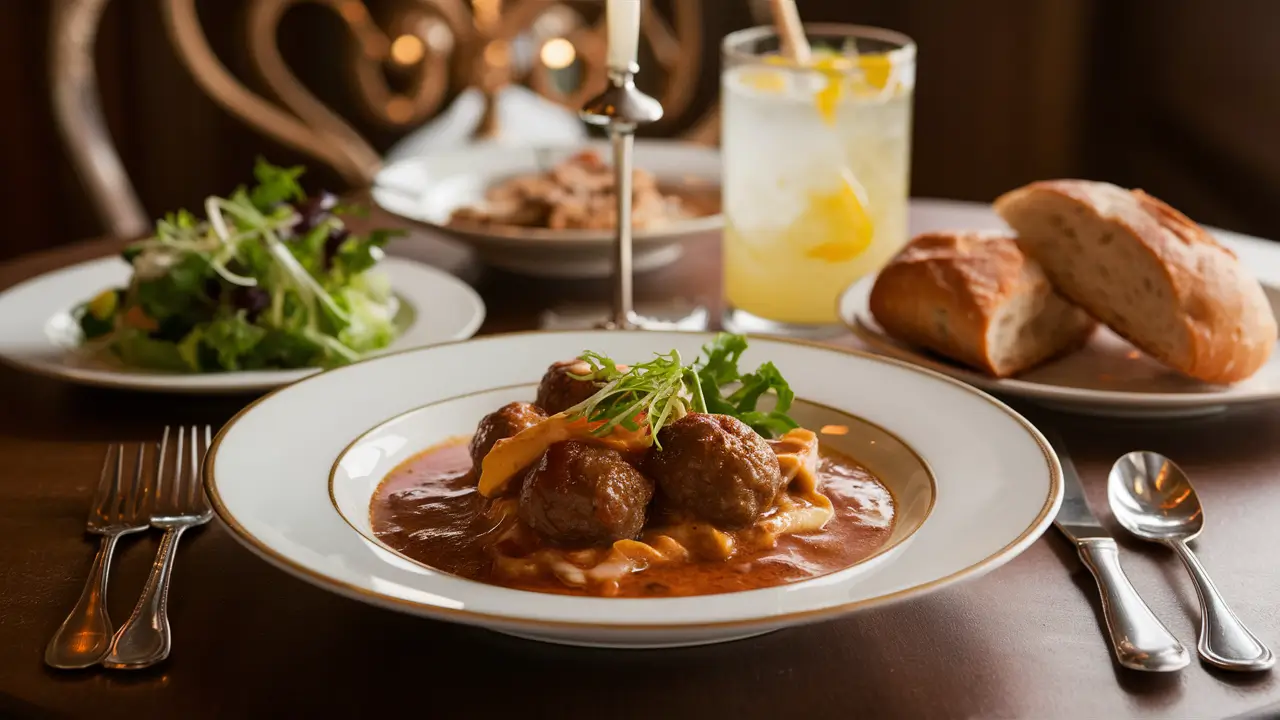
[
  {"x": 286, "y": 349},
  {"x": 372, "y": 323},
  {"x": 177, "y": 293},
  {"x": 275, "y": 185},
  {"x": 136, "y": 348},
  {"x": 356, "y": 255},
  {"x": 232, "y": 339}
]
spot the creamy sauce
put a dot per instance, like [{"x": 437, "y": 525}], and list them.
[{"x": 428, "y": 509}]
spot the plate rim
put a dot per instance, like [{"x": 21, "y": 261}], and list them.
[
  {"x": 532, "y": 238},
  {"x": 223, "y": 383},
  {"x": 1082, "y": 397},
  {"x": 1003, "y": 555}
]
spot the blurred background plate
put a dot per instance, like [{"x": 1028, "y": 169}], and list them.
[{"x": 427, "y": 189}]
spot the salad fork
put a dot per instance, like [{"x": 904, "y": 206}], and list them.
[
  {"x": 85, "y": 636},
  {"x": 180, "y": 503}
]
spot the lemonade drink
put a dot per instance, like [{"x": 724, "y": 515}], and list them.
[{"x": 816, "y": 163}]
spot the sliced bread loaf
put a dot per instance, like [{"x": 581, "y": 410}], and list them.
[
  {"x": 976, "y": 298},
  {"x": 1148, "y": 272}
]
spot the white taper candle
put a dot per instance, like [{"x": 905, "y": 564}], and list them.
[{"x": 623, "y": 19}]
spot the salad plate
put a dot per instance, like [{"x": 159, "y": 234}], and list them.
[
  {"x": 39, "y": 333},
  {"x": 268, "y": 285},
  {"x": 975, "y": 482},
  {"x": 429, "y": 189}
]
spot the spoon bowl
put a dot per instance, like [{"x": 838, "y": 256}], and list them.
[{"x": 1153, "y": 499}]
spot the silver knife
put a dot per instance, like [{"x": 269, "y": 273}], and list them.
[{"x": 1140, "y": 640}]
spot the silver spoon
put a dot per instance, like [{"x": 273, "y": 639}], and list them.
[{"x": 1153, "y": 499}]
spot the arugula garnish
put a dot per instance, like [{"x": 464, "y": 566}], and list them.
[
  {"x": 755, "y": 385},
  {"x": 721, "y": 368},
  {"x": 664, "y": 389}
]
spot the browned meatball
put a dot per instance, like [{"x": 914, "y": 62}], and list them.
[
  {"x": 715, "y": 467},
  {"x": 581, "y": 494},
  {"x": 558, "y": 392},
  {"x": 503, "y": 423}
]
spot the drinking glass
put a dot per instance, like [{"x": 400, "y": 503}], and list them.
[{"x": 816, "y": 162}]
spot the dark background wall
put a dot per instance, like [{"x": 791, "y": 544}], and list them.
[{"x": 1181, "y": 97}]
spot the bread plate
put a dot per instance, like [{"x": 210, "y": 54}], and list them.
[
  {"x": 291, "y": 475},
  {"x": 1108, "y": 376},
  {"x": 427, "y": 189}
]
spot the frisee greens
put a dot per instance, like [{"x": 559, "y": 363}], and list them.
[
  {"x": 271, "y": 278},
  {"x": 664, "y": 389},
  {"x": 652, "y": 393}
]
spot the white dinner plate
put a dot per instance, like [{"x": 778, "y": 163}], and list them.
[
  {"x": 996, "y": 484},
  {"x": 38, "y": 334},
  {"x": 1108, "y": 377},
  {"x": 427, "y": 189}
]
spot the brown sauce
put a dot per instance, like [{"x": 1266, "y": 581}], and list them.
[{"x": 428, "y": 509}]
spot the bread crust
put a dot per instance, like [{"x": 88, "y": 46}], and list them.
[
  {"x": 943, "y": 289},
  {"x": 1230, "y": 329}
]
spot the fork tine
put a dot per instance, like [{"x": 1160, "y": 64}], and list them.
[
  {"x": 193, "y": 476},
  {"x": 102, "y": 497},
  {"x": 176, "y": 500},
  {"x": 118, "y": 497},
  {"x": 139, "y": 490},
  {"x": 161, "y": 497}
]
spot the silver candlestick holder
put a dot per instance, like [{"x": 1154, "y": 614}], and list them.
[{"x": 620, "y": 109}]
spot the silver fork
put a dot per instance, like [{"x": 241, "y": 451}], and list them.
[
  {"x": 144, "y": 638},
  {"x": 85, "y": 636}
]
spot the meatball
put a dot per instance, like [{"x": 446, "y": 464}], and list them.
[
  {"x": 716, "y": 468},
  {"x": 581, "y": 494},
  {"x": 502, "y": 423},
  {"x": 558, "y": 392}
]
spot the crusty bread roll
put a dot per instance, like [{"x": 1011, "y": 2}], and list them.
[
  {"x": 975, "y": 298},
  {"x": 1148, "y": 272}
]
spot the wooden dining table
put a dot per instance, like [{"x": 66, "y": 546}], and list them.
[{"x": 1025, "y": 641}]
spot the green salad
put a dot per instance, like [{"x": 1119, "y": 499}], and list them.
[{"x": 271, "y": 278}]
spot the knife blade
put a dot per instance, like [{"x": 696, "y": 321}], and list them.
[
  {"x": 1074, "y": 518},
  {"x": 1139, "y": 639}
]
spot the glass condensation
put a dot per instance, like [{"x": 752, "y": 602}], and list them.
[{"x": 816, "y": 162}]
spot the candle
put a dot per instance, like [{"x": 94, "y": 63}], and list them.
[{"x": 623, "y": 17}]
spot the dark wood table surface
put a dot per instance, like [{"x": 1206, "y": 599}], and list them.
[{"x": 250, "y": 641}]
